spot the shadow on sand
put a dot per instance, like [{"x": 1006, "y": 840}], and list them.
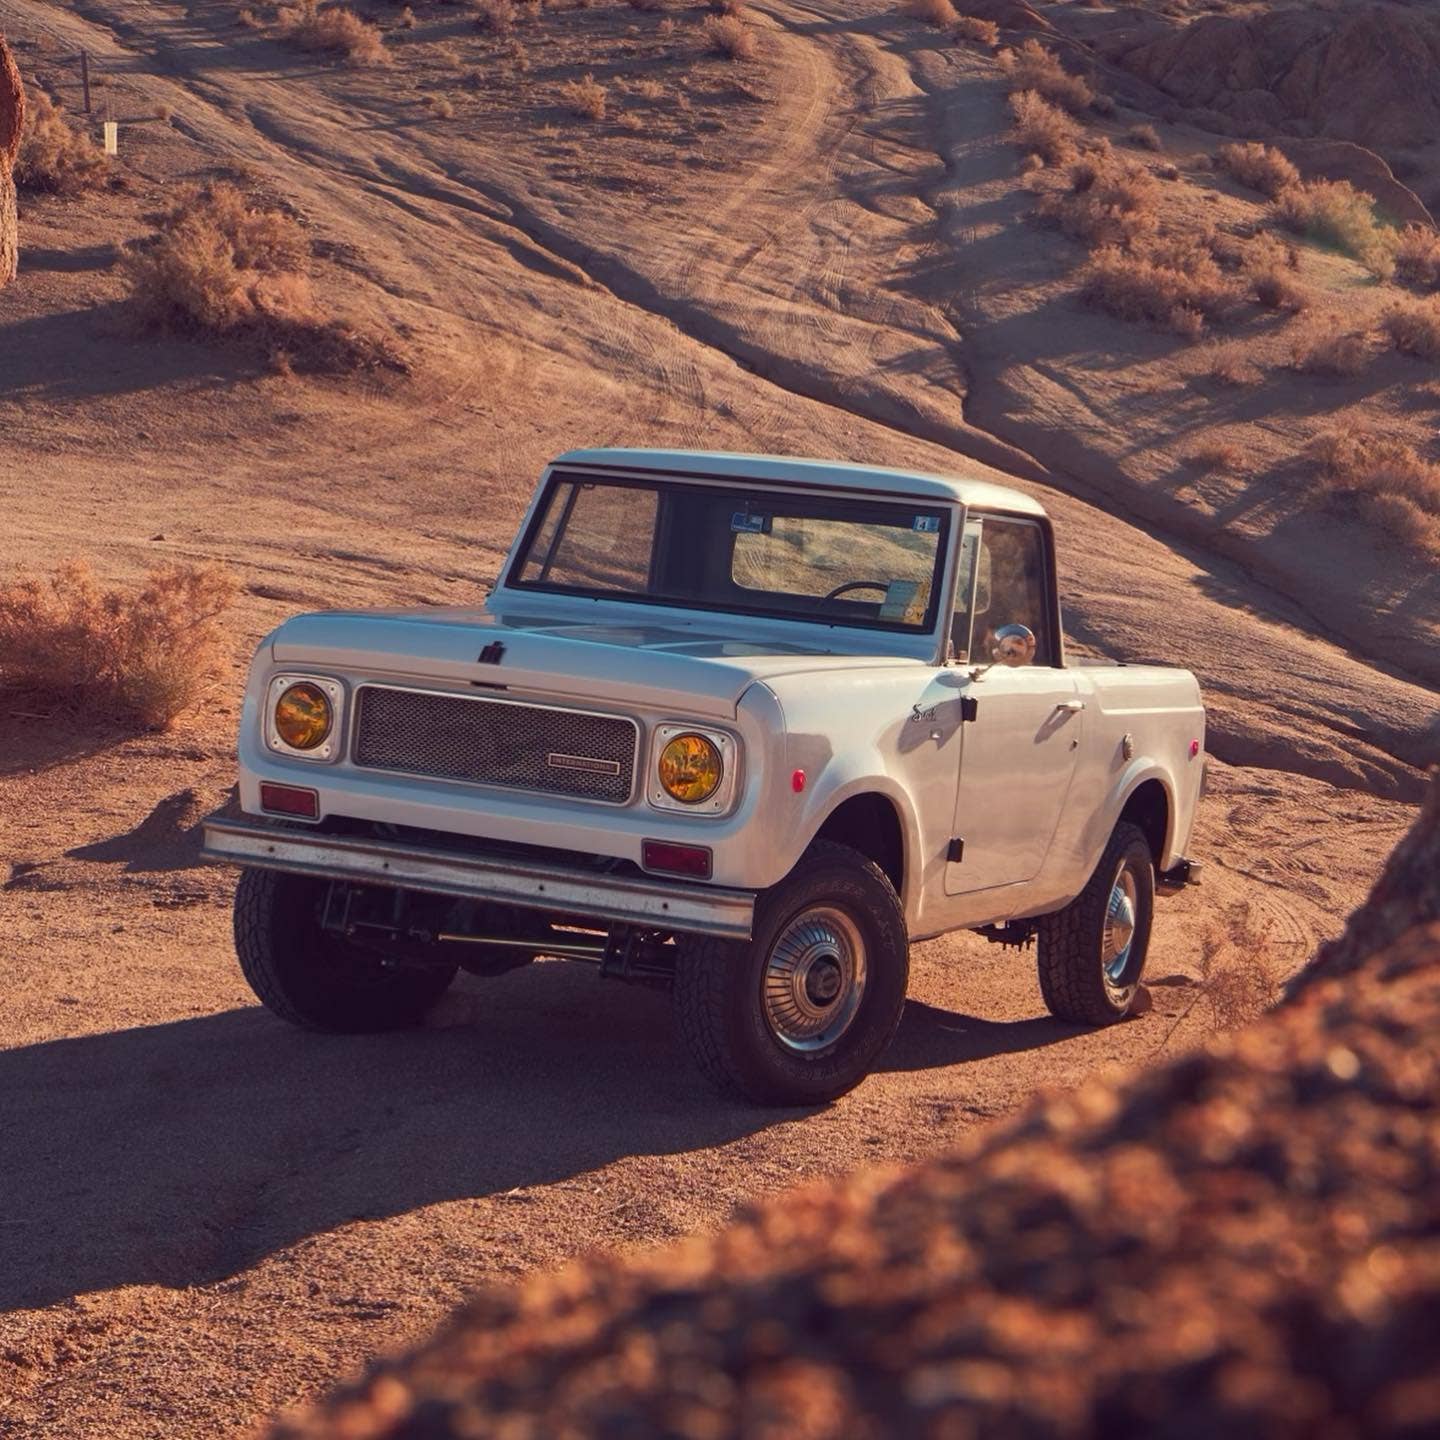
[{"x": 178, "y": 1154}]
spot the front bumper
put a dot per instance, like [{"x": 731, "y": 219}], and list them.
[{"x": 627, "y": 899}]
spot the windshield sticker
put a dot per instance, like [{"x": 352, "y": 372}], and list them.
[
  {"x": 743, "y": 523},
  {"x": 927, "y": 524},
  {"x": 899, "y": 596}
]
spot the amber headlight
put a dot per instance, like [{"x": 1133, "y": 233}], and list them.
[
  {"x": 303, "y": 716},
  {"x": 690, "y": 769}
]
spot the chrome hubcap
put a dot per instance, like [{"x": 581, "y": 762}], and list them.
[
  {"x": 1119, "y": 938},
  {"x": 814, "y": 979}
]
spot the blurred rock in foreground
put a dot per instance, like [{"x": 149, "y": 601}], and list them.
[{"x": 1244, "y": 1241}]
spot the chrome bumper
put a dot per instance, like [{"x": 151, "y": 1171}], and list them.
[{"x": 658, "y": 904}]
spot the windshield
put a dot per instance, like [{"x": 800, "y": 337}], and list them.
[{"x": 789, "y": 555}]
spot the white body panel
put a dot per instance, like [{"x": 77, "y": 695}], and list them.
[{"x": 1033, "y": 790}]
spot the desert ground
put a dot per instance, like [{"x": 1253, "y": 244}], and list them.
[{"x": 826, "y": 248}]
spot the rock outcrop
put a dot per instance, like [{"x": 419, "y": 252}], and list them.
[
  {"x": 1245, "y": 1240},
  {"x": 12, "y": 119},
  {"x": 1369, "y": 73}
]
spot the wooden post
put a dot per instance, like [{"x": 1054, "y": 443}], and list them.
[
  {"x": 12, "y": 123},
  {"x": 85, "y": 77}
]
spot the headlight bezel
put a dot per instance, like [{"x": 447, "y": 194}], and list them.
[
  {"x": 722, "y": 799},
  {"x": 329, "y": 749}
]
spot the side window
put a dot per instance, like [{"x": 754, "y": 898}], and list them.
[{"x": 1012, "y": 588}]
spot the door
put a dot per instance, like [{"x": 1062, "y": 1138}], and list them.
[{"x": 1018, "y": 752}]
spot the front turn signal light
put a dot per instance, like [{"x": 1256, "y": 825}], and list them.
[
  {"x": 303, "y": 717},
  {"x": 690, "y": 769}
]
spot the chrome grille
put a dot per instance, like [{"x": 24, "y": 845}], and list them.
[{"x": 495, "y": 742}]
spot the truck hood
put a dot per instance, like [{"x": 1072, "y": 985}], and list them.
[{"x": 690, "y": 670}]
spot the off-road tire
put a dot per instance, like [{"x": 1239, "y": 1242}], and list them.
[
  {"x": 1070, "y": 951},
  {"x": 718, "y": 1000},
  {"x": 311, "y": 978}
]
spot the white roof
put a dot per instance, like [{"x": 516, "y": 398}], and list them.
[{"x": 783, "y": 469}]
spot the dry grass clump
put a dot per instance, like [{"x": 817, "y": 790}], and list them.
[
  {"x": 137, "y": 657},
  {"x": 1237, "y": 980},
  {"x": 1215, "y": 456},
  {"x": 1416, "y": 252},
  {"x": 333, "y": 30},
  {"x": 1414, "y": 327},
  {"x": 1172, "y": 281},
  {"x": 1258, "y": 167},
  {"x": 1335, "y": 213},
  {"x": 730, "y": 36},
  {"x": 1109, "y": 202},
  {"x": 1321, "y": 347},
  {"x": 54, "y": 159},
  {"x": 939, "y": 13},
  {"x": 1228, "y": 365},
  {"x": 585, "y": 98},
  {"x": 1392, "y": 483},
  {"x": 497, "y": 17},
  {"x": 220, "y": 267},
  {"x": 1042, "y": 129},
  {"x": 1033, "y": 67},
  {"x": 1147, "y": 137},
  {"x": 976, "y": 30},
  {"x": 1275, "y": 287}
]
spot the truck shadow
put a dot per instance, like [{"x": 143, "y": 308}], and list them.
[{"x": 179, "y": 1154}]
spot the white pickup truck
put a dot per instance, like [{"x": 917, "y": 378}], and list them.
[{"x": 742, "y": 726}]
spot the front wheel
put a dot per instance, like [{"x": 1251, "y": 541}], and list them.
[
  {"x": 802, "y": 1012},
  {"x": 1091, "y": 954},
  {"x": 314, "y": 979}
]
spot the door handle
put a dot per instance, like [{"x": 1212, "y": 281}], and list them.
[{"x": 1071, "y": 706}]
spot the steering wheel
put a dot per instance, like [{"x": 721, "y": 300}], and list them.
[{"x": 839, "y": 590}]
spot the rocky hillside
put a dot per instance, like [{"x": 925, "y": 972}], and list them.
[{"x": 1248, "y": 1237}]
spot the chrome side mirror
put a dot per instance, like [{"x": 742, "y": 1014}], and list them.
[
  {"x": 1013, "y": 645},
  {"x": 1010, "y": 645}
]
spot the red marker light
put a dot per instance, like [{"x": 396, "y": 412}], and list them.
[
  {"x": 290, "y": 800},
  {"x": 1194, "y": 748},
  {"x": 797, "y": 781}
]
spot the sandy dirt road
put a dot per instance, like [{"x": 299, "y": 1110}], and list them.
[{"x": 205, "y": 1216}]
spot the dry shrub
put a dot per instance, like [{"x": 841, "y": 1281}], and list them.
[
  {"x": 585, "y": 98},
  {"x": 1237, "y": 979},
  {"x": 1321, "y": 347},
  {"x": 332, "y": 31},
  {"x": 1033, "y": 67},
  {"x": 139, "y": 656},
  {"x": 976, "y": 30},
  {"x": 1227, "y": 365},
  {"x": 1042, "y": 129},
  {"x": 1417, "y": 257},
  {"x": 1147, "y": 137},
  {"x": 1275, "y": 288},
  {"x": 729, "y": 7},
  {"x": 1215, "y": 455},
  {"x": 648, "y": 7},
  {"x": 218, "y": 267},
  {"x": 1335, "y": 213},
  {"x": 1258, "y": 167},
  {"x": 1414, "y": 327},
  {"x": 405, "y": 20},
  {"x": 1109, "y": 202},
  {"x": 53, "y": 158},
  {"x": 1395, "y": 486},
  {"x": 939, "y": 13},
  {"x": 728, "y": 35},
  {"x": 1167, "y": 280},
  {"x": 495, "y": 16}
]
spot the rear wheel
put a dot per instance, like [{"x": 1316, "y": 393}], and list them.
[
  {"x": 1092, "y": 953},
  {"x": 802, "y": 1012},
  {"x": 314, "y": 979}
]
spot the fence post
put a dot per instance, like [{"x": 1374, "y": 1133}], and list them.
[{"x": 85, "y": 77}]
